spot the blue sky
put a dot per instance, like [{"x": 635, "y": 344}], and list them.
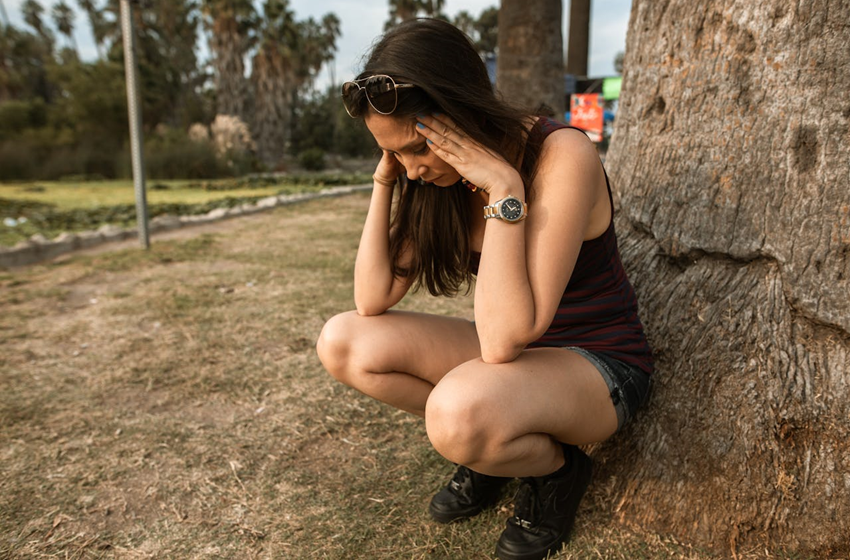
[{"x": 362, "y": 21}]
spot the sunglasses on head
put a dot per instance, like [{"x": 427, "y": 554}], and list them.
[{"x": 381, "y": 91}]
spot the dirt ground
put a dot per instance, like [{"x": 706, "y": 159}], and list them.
[{"x": 169, "y": 404}]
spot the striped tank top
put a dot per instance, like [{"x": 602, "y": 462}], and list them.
[{"x": 598, "y": 310}]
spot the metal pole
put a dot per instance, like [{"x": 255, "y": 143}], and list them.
[{"x": 135, "y": 115}]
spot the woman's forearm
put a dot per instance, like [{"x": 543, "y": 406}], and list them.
[
  {"x": 373, "y": 277},
  {"x": 504, "y": 302}
]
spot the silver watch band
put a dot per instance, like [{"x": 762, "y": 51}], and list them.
[{"x": 495, "y": 210}]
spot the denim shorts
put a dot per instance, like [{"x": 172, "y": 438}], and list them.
[{"x": 629, "y": 385}]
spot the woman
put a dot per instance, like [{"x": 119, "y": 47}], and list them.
[{"x": 556, "y": 356}]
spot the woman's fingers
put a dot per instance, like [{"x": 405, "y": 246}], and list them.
[{"x": 443, "y": 126}]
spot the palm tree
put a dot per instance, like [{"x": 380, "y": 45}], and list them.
[
  {"x": 404, "y": 10},
  {"x": 97, "y": 22},
  {"x": 289, "y": 56},
  {"x": 230, "y": 24},
  {"x": 465, "y": 22},
  {"x": 487, "y": 28},
  {"x": 33, "y": 12},
  {"x": 273, "y": 76},
  {"x": 63, "y": 16},
  {"x": 530, "y": 63},
  {"x": 578, "y": 42},
  {"x": 332, "y": 29}
]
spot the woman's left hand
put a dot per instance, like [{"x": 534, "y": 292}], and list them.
[{"x": 478, "y": 164}]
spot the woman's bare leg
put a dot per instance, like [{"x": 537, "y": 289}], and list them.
[
  {"x": 396, "y": 357},
  {"x": 507, "y": 419},
  {"x": 497, "y": 419}
]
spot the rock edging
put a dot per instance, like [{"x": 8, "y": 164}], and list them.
[{"x": 38, "y": 248}]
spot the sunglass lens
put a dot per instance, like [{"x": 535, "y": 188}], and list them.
[
  {"x": 352, "y": 95},
  {"x": 382, "y": 93}
]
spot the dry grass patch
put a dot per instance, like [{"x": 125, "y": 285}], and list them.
[{"x": 169, "y": 404}]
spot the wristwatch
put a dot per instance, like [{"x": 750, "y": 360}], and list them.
[{"x": 510, "y": 209}]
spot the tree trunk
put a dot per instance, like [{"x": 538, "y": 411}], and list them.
[
  {"x": 226, "y": 45},
  {"x": 731, "y": 168},
  {"x": 270, "y": 75},
  {"x": 578, "y": 44},
  {"x": 531, "y": 61}
]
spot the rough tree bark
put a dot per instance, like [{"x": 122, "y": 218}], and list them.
[
  {"x": 529, "y": 69},
  {"x": 731, "y": 166}
]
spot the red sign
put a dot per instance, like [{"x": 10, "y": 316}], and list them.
[{"x": 586, "y": 113}]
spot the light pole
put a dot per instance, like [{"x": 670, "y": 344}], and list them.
[{"x": 134, "y": 113}]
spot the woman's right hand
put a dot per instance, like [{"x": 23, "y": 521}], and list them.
[{"x": 388, "y": 170}]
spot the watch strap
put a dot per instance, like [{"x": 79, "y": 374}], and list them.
[{"x": 495, "y": 210}]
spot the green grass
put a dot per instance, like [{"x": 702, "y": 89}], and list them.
[
  {"x": 169, "y": 404},
  {"x": 50, "y": 208},
  {"x": 76, "y": 196}
]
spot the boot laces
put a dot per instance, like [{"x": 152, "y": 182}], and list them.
[
  {"x": 527, "y": 504},
  {"x": 458, "y": 482}
]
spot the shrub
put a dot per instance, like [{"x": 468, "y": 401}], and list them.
[
  {"x": 231, "y": 135},
  {"x": 181, "y": 160},
  {"x": 312, "y": 159}
]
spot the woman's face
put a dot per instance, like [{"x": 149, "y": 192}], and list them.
[{"x": 398, "y": 136}]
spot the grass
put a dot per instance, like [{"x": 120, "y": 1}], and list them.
[
  {"x": 75, "y": 196},
  {"x": 50, "y": 208},
  {"x": 169, "y": 404}
]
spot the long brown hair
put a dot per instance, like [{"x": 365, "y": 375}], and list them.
[{"x": 451, "y": 78}]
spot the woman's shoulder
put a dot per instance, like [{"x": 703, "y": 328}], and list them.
[{"x": 565, "y": 145}]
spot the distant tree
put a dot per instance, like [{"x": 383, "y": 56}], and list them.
[
  {"x": 618, "y": 62},
  {"x": 315, "y": 46},
  {"x": 33, "y": 16},
  {"x": 289, "y": 56},
  {"x": 487, "y": 30},
  {"x": 96, "y": 22},
  {"x": 483, "y": 30},
  {"x": 166, "y": 37},
  {"x": 63, "y": 17},
  {"x": 331, "y": 31},
  {"x": 23, "y": 65},
  {"x": 230, "y": 24},
  {"x": 273, "y": 75},
  {"x": 404, "y": 10},
  {"x": 530, "y": 63},
  {"x": 578, "y": 42},
  {"x": 465, "y": 21}
]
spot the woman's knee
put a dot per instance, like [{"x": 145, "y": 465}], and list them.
[
  {"x": 335, "y": 343},
  {"x": 459, "y": 421}
]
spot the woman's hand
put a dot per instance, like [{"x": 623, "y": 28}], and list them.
[
  {"x": 478, "y": 164},
  {"x": 388, "y": 170}
]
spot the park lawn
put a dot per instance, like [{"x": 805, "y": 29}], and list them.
[
  {"x": 51, "y": 208},
  {"x": 92, "y": 194},
  {"x": 170, "y": 404}
]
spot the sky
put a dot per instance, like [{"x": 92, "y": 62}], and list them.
[{"x": 363, "y": 21}]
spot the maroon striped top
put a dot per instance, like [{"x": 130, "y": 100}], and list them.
[{"x": 598, "y": 310}]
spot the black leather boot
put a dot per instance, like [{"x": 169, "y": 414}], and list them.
[
  {"x": 466, "y": 495},
  {"x": 545, "y": 509}
]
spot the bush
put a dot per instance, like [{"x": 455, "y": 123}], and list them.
[
  {"x": 312, "y": 159},
  {"x": 49, "y": 154},
  {"x": 181, "y": 160}
]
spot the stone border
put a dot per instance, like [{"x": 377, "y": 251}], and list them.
[{"x": 38, "y": 248}]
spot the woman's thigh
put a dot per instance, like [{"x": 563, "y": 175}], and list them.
[
  {"x": 550, "y": 391},
  {"x": 426, "y": 346}
]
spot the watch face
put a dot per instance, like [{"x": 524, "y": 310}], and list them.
[{"x": 511, "y": 209}]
